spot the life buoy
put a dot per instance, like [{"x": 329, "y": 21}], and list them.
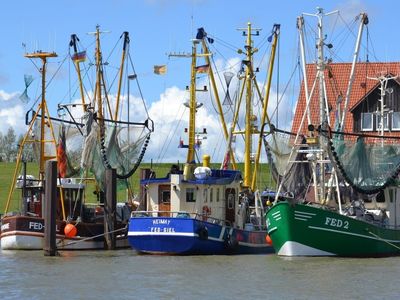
[{"x": 206, "y": 211}]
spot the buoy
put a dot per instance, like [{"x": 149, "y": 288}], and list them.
[
  {"x": 268, "y": 239},
  {"x": 70, "y": 230}
]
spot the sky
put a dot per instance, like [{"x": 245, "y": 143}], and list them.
[{"x": 160, "y": 27}]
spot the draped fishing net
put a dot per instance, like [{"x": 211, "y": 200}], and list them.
[
  {"x": 87, "y": 150},
  {"x": 367, "y": 163},
  {"x": 294, "y": 177}
]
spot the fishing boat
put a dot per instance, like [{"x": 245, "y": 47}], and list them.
[
  {"x": 85, "y": 141},
  {"x": 202, "y": 210},
  {"x": 345, "y": 149}
]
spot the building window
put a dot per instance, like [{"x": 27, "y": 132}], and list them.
[
  {"x": 385, "y": 122},
  {"x": 367, "y": 121},
  {"x": 396, "y": 121},
  {"x": 190, "y": 195}
]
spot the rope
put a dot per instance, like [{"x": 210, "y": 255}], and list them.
[{"x": 90, "y": 238}]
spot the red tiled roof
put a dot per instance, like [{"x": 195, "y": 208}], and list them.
[{"x": 337, "y": 79}]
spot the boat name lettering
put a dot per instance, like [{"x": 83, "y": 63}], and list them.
[
  {"x": 159, "y": 229},
  {"x": 35, "y": 226},
  {"x": 5, "y": 226},
  {"x": 336, "y": 223},
  {"x": 161, "y": 221}
]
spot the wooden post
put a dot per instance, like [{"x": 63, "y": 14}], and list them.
[
  {"x": 110, "y": 207},
  {"x": 50, "y": 200}
]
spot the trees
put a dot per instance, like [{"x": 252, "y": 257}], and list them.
[{"x": 8, "y": 146}]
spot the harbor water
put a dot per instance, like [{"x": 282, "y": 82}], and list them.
[{"x": 123, "y": 274}]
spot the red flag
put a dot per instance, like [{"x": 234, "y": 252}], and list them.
[{"x": 61, "y": 155}]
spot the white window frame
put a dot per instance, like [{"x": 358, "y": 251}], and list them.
[
  {"x": 377, "y": 119},
  {"x": 398, "y": 114},
  {"x": 372, "y": 121}
]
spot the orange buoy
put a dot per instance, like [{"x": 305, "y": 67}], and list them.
[
  {"x": 70, "y": 230},
  {"x": 268, "y": 239}
]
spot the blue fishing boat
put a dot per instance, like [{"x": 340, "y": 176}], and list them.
[{"x": 202, "y": 210}]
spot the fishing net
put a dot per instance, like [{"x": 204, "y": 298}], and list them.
[
  {"x": 297, "y": 178},
  {"x": 89, "y": 151},
  {"x": 367, "y": 163}
]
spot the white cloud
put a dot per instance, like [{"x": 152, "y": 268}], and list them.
[{"x": 12, "y": 112}]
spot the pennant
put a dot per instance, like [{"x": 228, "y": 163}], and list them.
[
  {"x": 79, "y": 56},
  {"x": 160, "y": 69},
  {"x": 202, "y": 69},
  {"x": 24, "y": 96}
]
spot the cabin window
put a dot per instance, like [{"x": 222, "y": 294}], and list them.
[
  {"x": 396, "y": 121},
  {"x": 380, "y": 197},
  {"x": 166, "y": 196},
  {"x": 385, "y": 122},
  {"x": 367, "y": 121},
  {"x": 190, "y": 195},
  {"x": 217, "y": 194},
  {"x": 231, "y": 201},
  {"x": 211, "y": 194}
]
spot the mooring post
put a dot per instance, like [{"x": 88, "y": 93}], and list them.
[
  {"x": 110, "y": 207},
  {"x": 50, "y": 200}
]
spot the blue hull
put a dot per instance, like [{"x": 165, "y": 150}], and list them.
[{"x": 187, "y": 236}]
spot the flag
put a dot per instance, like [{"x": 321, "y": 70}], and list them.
[
  {"x": 61, "y": 155},
  {"x": 160, "y": 69},
  {"x": 202, "y": 69},
  {"x": 79, "y": 56},
  {"x": 24, "y": 96}
]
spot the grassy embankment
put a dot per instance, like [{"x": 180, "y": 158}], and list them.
[{"x": 7, "y": 172}]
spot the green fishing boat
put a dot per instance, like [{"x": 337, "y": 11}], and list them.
[{"x": 339, "y": 193}]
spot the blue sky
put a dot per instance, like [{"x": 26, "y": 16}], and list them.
[{"x": 158, "y": 27}]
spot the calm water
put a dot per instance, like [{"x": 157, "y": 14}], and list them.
[{"x": 126, "y": 275}]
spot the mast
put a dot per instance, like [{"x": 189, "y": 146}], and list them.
[
  {"x": 121, "y": 72},
  {"x": 364, "y": 21},
  {"x": 249, "y": 77},
  {"x": 74, "y": 39},
  {"x": 43, "y": 109},
  {"x": 264, "y": 117},
  {"x": 45, "y": 122},
  {"x": 219, "y": 106},
  {"x": 192, "y": 106}
]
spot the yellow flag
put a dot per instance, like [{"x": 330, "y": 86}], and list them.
[{"x": 160, "y": 70}]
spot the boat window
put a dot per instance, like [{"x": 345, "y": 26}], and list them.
[
  {"x": 380, "y": 197},
  {"x": 190, "y": 195},
  {"x": 217, "y": 194},
  {"x": 166, "y": 196},
  {"x": 205, "y": 193},
  {"x": 231, "y": 201},
  {"x": 367, "y": 121},
  {"x": 211, "y": 194}
]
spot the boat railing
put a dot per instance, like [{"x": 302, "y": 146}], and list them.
[{"x": 179, "y": 214}]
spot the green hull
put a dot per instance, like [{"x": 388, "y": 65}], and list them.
[{"x": 305, "y": 230}]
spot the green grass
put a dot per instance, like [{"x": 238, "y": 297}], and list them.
[{"x": 161, "y": 170}]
